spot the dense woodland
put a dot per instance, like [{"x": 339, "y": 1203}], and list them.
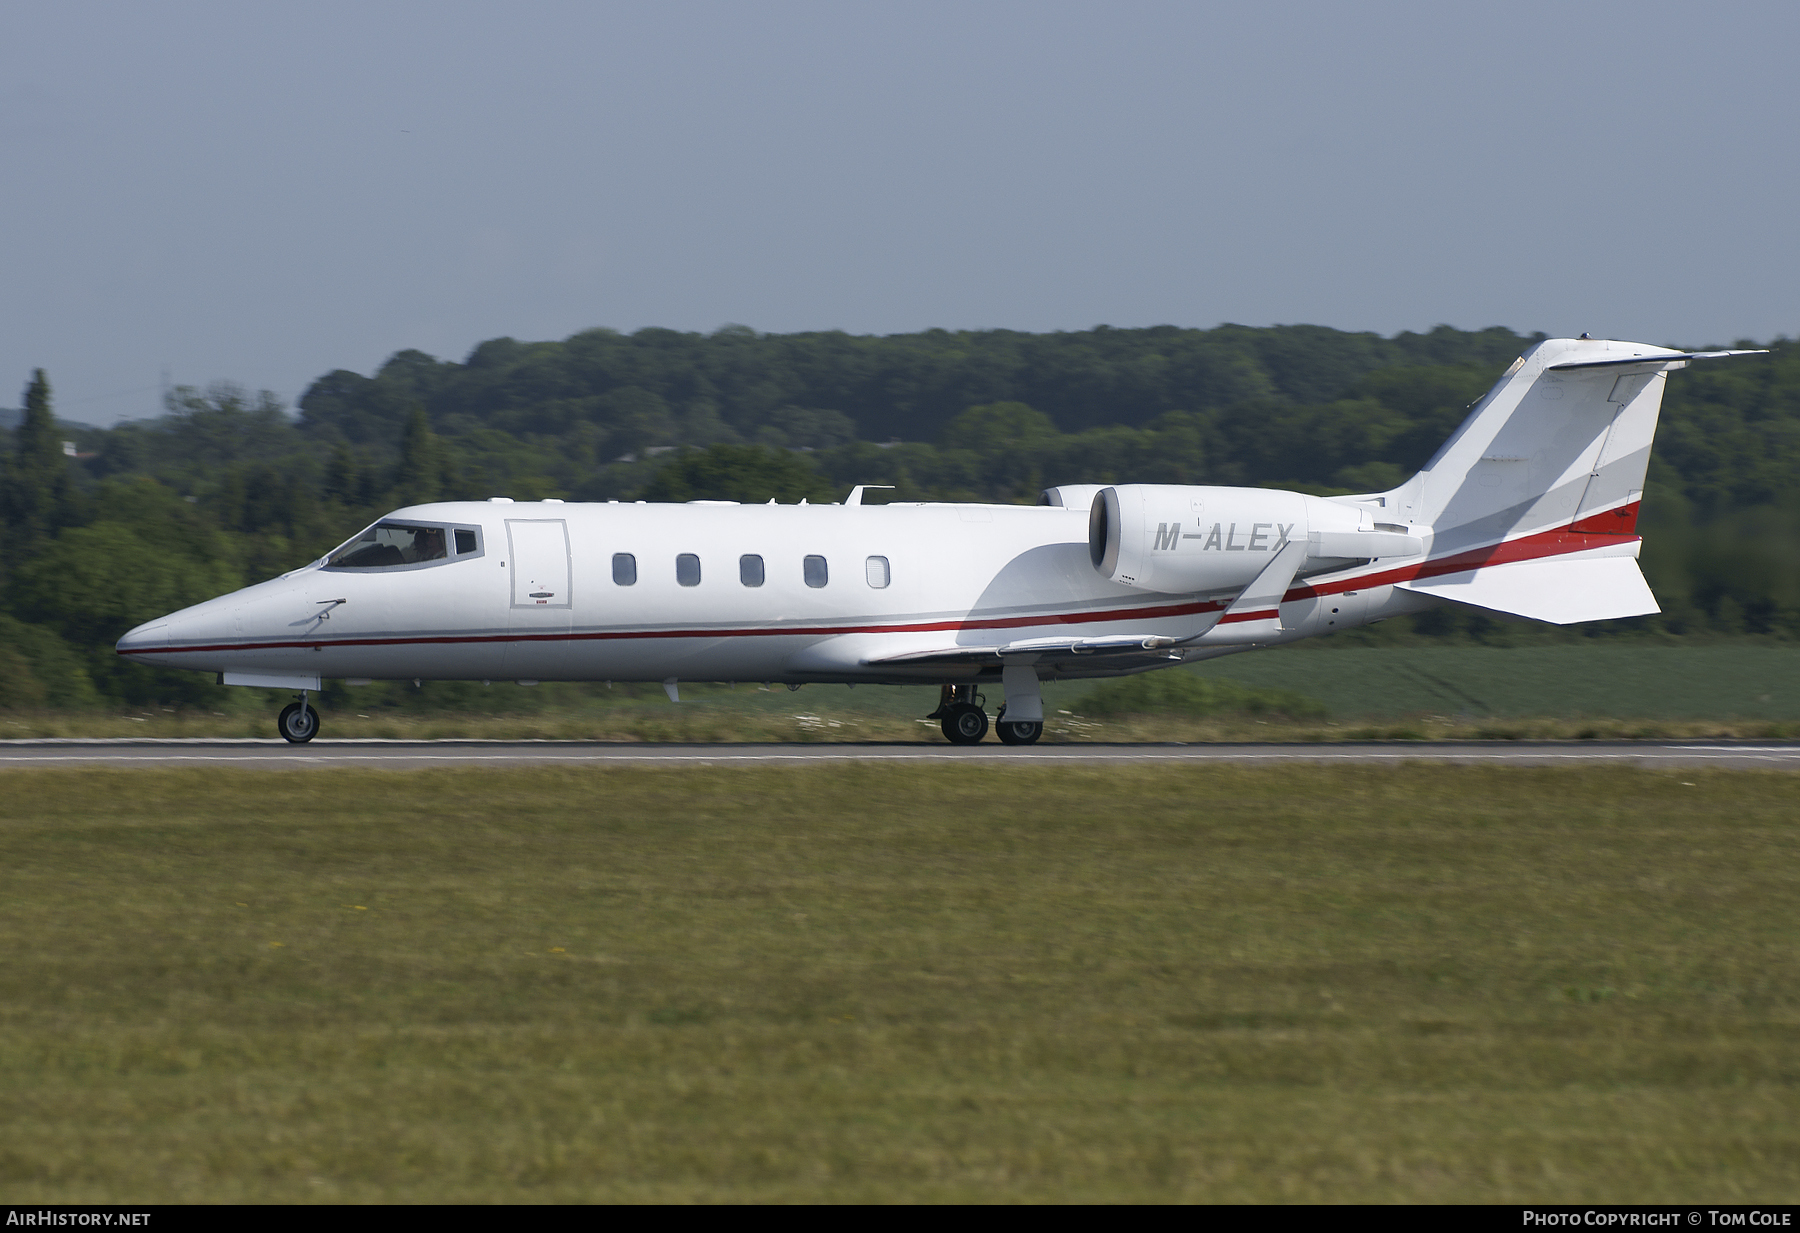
[{"x": 228, "y": 487}]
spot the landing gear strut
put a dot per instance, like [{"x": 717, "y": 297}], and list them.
[
  {"x": 1025, "y": 699},
  {"x": 960, "y": 715},
  {"x": 298, "y": 723}
]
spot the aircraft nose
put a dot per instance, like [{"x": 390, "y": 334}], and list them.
[{"x": 144, "y": 637}]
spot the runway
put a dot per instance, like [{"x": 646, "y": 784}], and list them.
[{"x": 252, "y": 754}]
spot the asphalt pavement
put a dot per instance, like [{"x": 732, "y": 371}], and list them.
[{"x": 259, "y": 754}]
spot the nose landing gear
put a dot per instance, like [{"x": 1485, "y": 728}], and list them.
[{"x": 298, "y": 722}]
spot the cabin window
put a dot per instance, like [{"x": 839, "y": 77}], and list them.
[
  {"x": 465, "y": 542},
  {"x": 687, "y": 570},
  {"x": 750, "y": 570},
  {"x": 624, "y": 569},
  {"x": 388, "y": 545},
  {"x": 878, "y": 572},
  {"x": 816, "y": 573}
]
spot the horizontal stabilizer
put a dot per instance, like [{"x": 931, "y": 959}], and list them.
[
  {"x": 1654, "y": 361},
  {"x": 1559, "y": 591}
]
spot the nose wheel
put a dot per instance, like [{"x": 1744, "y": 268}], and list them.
[{"x": 298, "y": 722}]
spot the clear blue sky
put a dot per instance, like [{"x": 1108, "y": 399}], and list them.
[{"x": 263, "y": 193}]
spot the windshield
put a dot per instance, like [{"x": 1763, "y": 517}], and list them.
[{"x": 388, "y": 544}]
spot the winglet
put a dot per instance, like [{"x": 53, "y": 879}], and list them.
[{"x": 1255, "y": 615}]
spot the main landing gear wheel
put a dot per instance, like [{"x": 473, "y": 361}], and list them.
[
  {"x": 299, "y": 723},
  {"x": 964, "y": 724},
  {"x": 1022, "y": 732}
]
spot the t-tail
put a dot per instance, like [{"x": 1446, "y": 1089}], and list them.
[{"x": 1532, "y": 504}]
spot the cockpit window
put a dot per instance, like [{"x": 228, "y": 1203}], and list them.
[{"x": 395, "y": 545}]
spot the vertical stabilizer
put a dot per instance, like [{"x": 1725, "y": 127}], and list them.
[
  {"x": 1562, "y": 442},
  {"x": 1532, "y": 504}
]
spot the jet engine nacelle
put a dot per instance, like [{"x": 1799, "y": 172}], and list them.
[{"x": 1179, "y": 539}]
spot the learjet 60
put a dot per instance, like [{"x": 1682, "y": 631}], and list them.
[{"x": 1529, "y": 509}]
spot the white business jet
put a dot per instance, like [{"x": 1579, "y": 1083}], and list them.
[{"x": 1530, "y": 508}]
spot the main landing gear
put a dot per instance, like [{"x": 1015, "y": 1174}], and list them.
[
  {"x": 298, "y": 723},
  {"x": 960, "y": 715},
  {"x": 1021, "y": 732},
  {"x": 964, "y": 722}
]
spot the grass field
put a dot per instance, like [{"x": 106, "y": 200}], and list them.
[
  {"x": 881, "y": 983},
  {"x": 1731, "y": 680}
]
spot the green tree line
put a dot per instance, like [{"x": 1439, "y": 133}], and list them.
[{"x": 228, "y": 487}]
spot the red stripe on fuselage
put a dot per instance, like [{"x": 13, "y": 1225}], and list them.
[
  {"x": 782, "y": 631},
  {"x": 1261, "y": 614}
]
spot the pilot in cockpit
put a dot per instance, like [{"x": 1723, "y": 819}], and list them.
[{"x": 427, "y": 545}]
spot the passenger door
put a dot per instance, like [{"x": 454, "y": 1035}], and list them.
[{"x": 538, "y": 561}]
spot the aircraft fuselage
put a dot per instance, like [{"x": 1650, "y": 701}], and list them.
[{"x": 712, "y": 591}]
